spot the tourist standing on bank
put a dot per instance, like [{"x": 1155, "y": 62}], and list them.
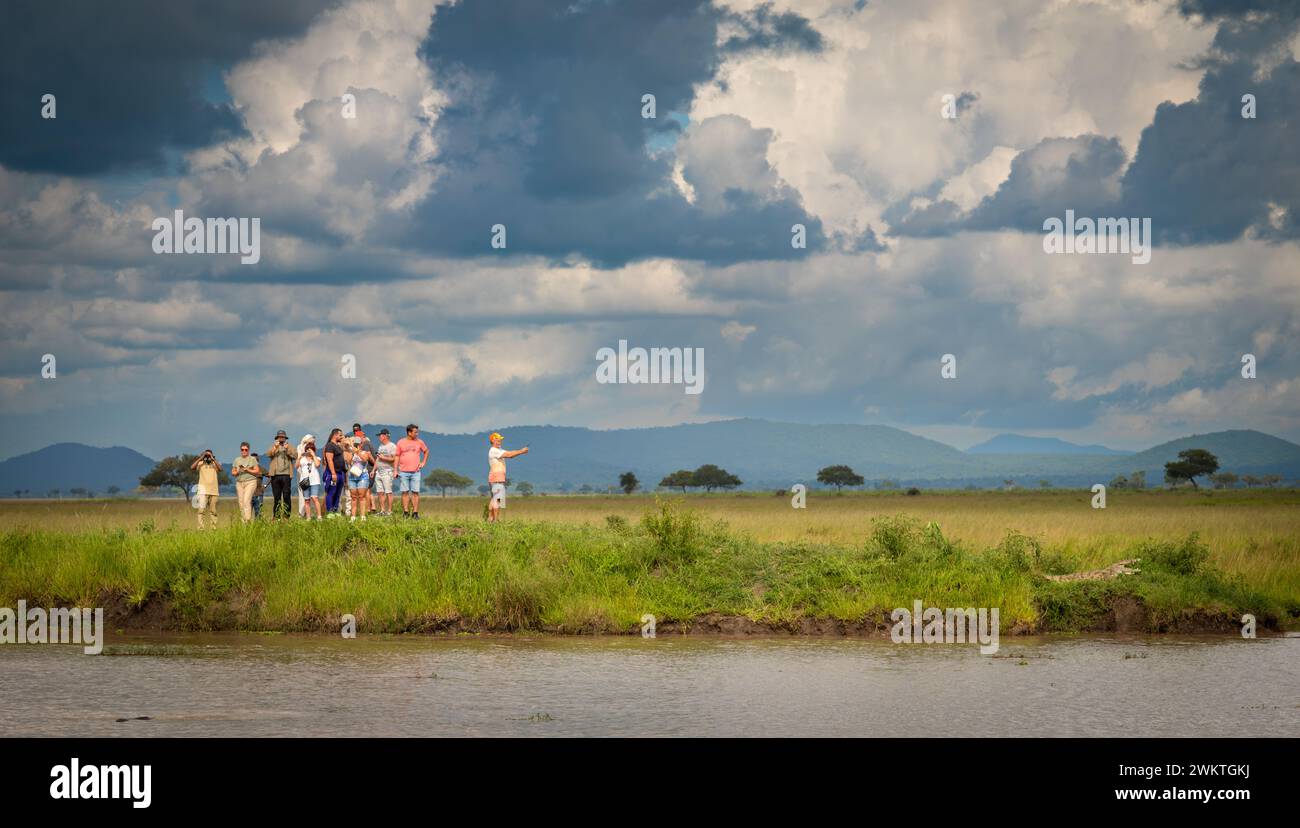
[
  {"x": 334, "y": 470},
  {"x": 280, "y": 469},
  {"x": 244, "y": 470},
  {"x": 209, "y": 488}
]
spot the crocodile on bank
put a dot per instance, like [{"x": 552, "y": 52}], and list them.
[{"x": 1113, "y": 571}]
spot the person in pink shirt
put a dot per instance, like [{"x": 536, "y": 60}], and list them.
[{"x": 412, "y": 454}]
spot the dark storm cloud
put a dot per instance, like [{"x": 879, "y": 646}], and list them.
[
  {"x": 1055, "y": 175},
  {"x": 129, "y": 78},
  {"x": 1202, "y": 172},
  {"x": 1205, "y": 174},
  {"x": 765, "y": 30},
  {"x": 544, "y": 133},
  {"x": 1217, "y": 9}
]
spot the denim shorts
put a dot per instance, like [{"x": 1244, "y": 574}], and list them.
[
  {"x": 313, "y": 491},
  {"x": 362, "y": 482},
  {"x": 409, "y": 481}
]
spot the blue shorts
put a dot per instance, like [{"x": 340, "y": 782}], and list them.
[
  {"x": 314, "y": 491},
  {"x": 362, "y": 482},
  {"x": 408, "y": 482}
]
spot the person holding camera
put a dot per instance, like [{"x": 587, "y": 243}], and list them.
[
  {"x": 359, "y": 459},
  {"x": 309, "y": 479},
  {"x": 246, "y": 473},
  {"x": 334, "y": 471},
  {"x": 208, "y": 489},
  {"x": 263, "y": 481},
  {"x": 280, "y": 470}
]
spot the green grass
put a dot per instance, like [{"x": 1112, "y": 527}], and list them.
[
  {"x": 679, "y": 565},
  {"x": 1254, "y": 534}
]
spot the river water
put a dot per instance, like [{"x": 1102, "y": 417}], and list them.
[{"x": 300, "y": 685}]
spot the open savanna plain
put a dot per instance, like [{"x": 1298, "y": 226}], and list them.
[{"x": 597, "y": 563}]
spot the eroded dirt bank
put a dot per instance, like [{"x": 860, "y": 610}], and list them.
[{"x": 1124, "y": 614}]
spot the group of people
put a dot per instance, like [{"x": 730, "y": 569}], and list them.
[{"x": 350, "y": 476}]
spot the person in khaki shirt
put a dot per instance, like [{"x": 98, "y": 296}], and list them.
[
  {"x": 246, "y": 474},
  {"x": 283, "y": 458},
  {"x": 208, "y": 489}
]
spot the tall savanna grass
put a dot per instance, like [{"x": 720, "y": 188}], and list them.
[{"x": 673, "y": 561}]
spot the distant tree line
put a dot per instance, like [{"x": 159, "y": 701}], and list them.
[{"x": 175, "y": 472}]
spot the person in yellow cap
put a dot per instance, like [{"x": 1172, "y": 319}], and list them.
[{"x": 497, "y": 458}]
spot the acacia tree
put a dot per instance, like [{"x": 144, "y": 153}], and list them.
[
  {"x": 628, "y": 483},
  {"x": 447, "y": 479},
  {"x": 711, "y": 477},
  {"x": 1223, "y": 480},
  {"x": 839, "y": 476},
  {"x": 1191, "y": 464},
  {"x": 680, "y": 479}
]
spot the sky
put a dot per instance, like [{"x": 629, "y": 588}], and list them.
[{"x": 920, "y": 144}]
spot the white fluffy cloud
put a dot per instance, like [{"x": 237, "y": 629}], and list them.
[{"x": 1086, "y": 347}]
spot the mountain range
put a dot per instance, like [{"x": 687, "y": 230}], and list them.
[
  {"x": 66, "y": 466},
  {"x": 1020, "y": 444},
  {"x": 762, "y": 453}
]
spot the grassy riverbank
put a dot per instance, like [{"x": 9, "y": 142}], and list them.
[{"x": 685, "y": 569}]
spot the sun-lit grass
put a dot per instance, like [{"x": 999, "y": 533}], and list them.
[
  {"x": 1253, "y": 533},
  {"x": 596, "y": 564}
]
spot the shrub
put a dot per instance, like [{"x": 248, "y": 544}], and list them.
[
  {"x": 893, "y": 536},
  {"x": 1185, "y": 557},
  {"x": 936, "y": 543},
  {"x": 676, "y": 535},
  {"x": 1020, "y": 552}
]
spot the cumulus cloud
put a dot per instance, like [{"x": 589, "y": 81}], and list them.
[
  {"x": 676, "y": 231},
  {"x": 131, "y": 85}
]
